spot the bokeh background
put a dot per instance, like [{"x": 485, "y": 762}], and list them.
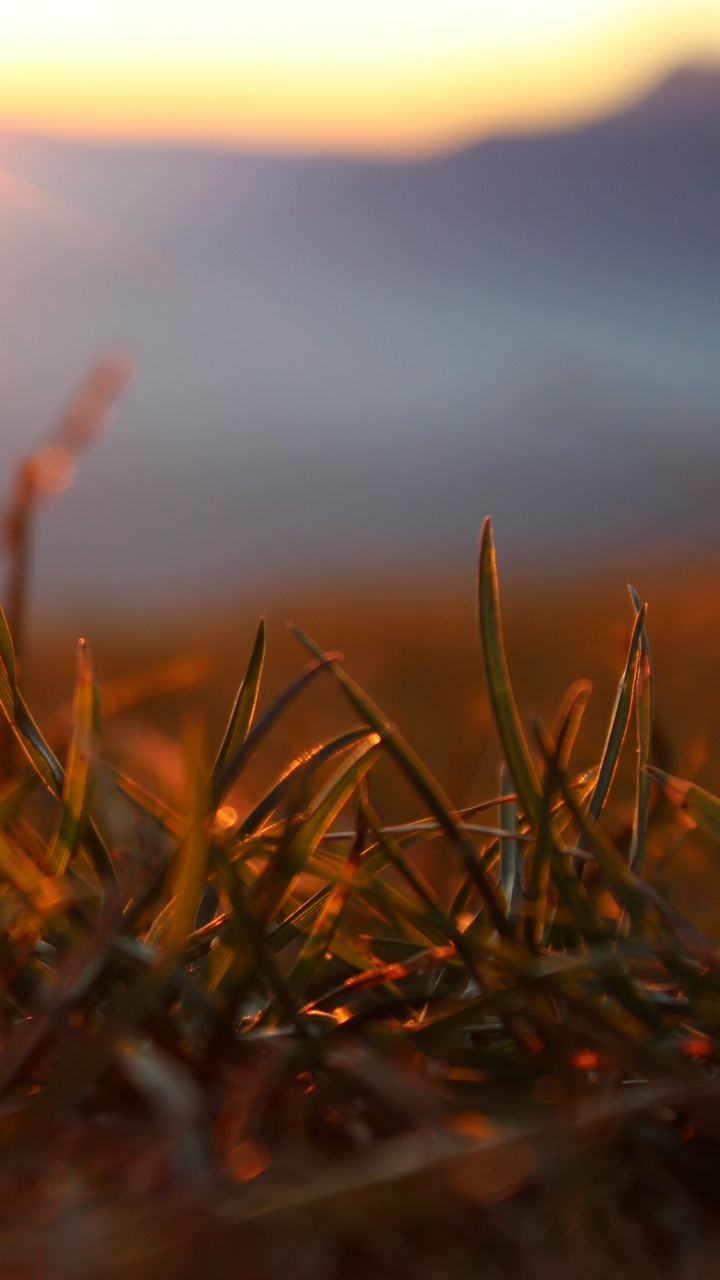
[{"x": 381, "y": 269}]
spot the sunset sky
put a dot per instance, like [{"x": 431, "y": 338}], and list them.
[{"x": 377, "y": 75}]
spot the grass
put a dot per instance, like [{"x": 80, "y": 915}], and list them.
[
  {"x": 274, "y": 1021},
  {"x": 323, "y": 1020}
]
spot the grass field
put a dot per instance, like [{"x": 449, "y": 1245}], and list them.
[{"x": 323, "y": 994}]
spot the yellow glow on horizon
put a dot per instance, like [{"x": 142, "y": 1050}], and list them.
[{"x": 383, "y": 75}]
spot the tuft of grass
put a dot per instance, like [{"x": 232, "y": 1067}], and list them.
[{"x": 250, "y": 1027}]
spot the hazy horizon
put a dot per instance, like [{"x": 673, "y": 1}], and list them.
[{"x": 347, "y": 365}]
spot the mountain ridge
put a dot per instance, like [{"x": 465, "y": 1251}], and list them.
[{"x": 688, "y": 93}]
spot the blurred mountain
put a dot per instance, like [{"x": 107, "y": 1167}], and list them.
[
  {"x": 632, "y": 182},
  {"x": 347, "y": 363},
  {"x": 689, "y": 96}
]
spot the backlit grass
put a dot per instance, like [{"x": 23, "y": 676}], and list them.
[{"x": 335, "y": 1017}]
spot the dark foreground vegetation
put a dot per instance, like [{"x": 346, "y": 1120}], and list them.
[{"x": 316, "y": 1020}]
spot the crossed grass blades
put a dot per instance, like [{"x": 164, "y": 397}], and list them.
[{"x": 278, "y": 1018}]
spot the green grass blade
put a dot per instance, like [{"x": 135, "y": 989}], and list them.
[
  {"x": 545, "y": 971},
  {"x": 619, "y": 719},
  {"x": 302, "y": 919},
  {"x": 701, "y": 807},
  {"x": 188, "y": 868},
  {"x": 408, "y": 917},
  {"x": 305, "y": 764},
  {"x": 307, "y": 832},
  {"x": 41, "y": 757},
  {"x": 333, "y": 797},
  {"x": 386, "y": 974},
  {"x": 13, "y": 793},
  {"x": 374, "y": 860},
  {"x": 303, "y": 835},
  {"x": 323, "y": 931},
  {"x": 500, "y": 691},
  {"x": 645, "y": 712},
  {"x": 21, "y": 722},
  {"x": 244, "y": 752},
  {"x": 536, "y": 898},
  {"x": 438, "y": 919},
  {"x": 146, "y": 802},
  {"x": 512, "y": 853},
  {"x": 618, "y": 877},
  {"x": 243, "y": 711},
  {"x": 569, "y": 716},
  {"x": 545, "y": 851},
  {"x": 79, "y": 778},
  {"x": 417, "y": 882},
  {"x": 583, "y": 921},
  {"x": 423, "y": 782},
  {"x": 8, "y": 681},
  {"x": 251, "y": 955},
  {"x": 16, "y": 868}
]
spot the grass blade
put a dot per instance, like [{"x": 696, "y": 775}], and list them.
[
  {"x": 79, "y": 778},
  {"x": 423, "y": 782},
  {"x": 512, "y": 854},
  {"x": 567, "y": 722},
  {"x": 237, "y": 759},
  {"x": 43, "y": 760},
  {"x": 618, "y": 877},
  {"x": 188, "y": 868},
  {"x": 619, "y": 719},
  {"x": 536, "y": 901},
  {"x": 302, "y": 837},
  {"x": 701, "y": 807},
  {"x": 645, "y": 712},
  {"x": 146, "y": 803},
  {"x": 502, "y": 699},
  {"x": 303, "y": 765},
  {"x": 13, "y": 793},
  {"x": 242, "y": 714},
  {"x": 321, "y": 935},
  {"x": 584, "y": 920},
  {"x": 43, "y": 892}
]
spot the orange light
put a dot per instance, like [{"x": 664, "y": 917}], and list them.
[
  {"x": 224, "y": 819},
  {"x": 247, "y": 1160},
  {"x": 305, "y": 1081},
  {"x": 585, "y": 1059},
  {"x": 698, "y": 1047},
  {"x": 474, "y": 1124}
]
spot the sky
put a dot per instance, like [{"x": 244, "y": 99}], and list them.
[{"x": 364, "y": 75}]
